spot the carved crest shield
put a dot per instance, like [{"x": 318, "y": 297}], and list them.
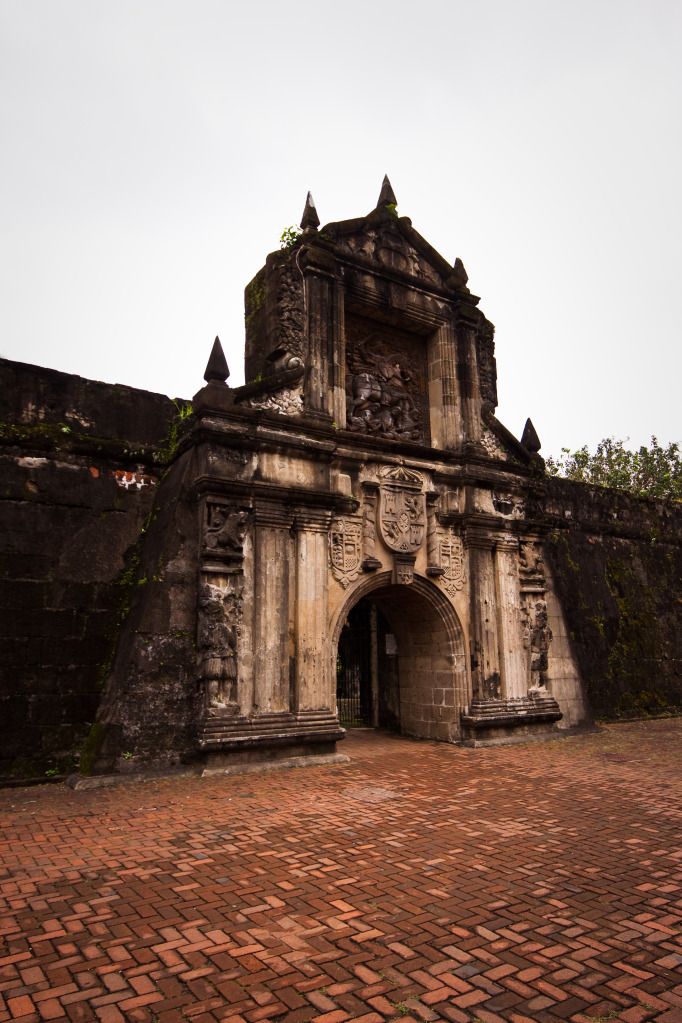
[
  {"x": 345, "y": 549},
  {"x": 452, "y": 561},
  {"x": 402, "y": 510}
]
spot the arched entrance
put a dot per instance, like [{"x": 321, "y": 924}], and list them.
[{"x": 400, "y": 661}]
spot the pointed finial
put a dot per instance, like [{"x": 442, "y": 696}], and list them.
[
  {"x": 530, "y": 439},
  {"x": 310, "y": 220},
  {"x": 459, "y": 273},
  {"x": 216, "y": 367},
  {"x": 387, "y": 195}
]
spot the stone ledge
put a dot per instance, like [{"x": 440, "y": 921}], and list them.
[{"x": 498, "y": 720}]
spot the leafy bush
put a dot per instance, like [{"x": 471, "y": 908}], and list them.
[{"x": 652, "y": 471}]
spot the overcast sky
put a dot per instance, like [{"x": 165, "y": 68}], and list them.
[{"x": 153, "y": 151}]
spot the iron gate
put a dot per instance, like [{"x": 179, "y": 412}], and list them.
[{"x": 353, "y": 671}]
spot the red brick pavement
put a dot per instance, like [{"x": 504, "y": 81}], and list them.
[{"x": 420, "y": 882}]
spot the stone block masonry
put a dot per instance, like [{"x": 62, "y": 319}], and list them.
[
  {"x": 350, "y": 538},
  {"x": 79, "y": 464}
]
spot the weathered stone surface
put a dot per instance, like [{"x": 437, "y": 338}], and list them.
[
  {"x": 68, "y": 530},
  {"x": 351, "y": 536}
]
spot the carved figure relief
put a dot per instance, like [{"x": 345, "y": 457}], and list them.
[
  {"x": 537, "y": 634},
  {"x": 537, "y": 637},
  {"x": 451, "y": 557},
  {"x": 402, "y": 509},
  {"x": 220, "y": 614},
  {"x": 345, "y": 549},
  {"x": 225, "y": 528},
  {"x": 385, "y": 382},
  {"x": 531, "y": 560}
]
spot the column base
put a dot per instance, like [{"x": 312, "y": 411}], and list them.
[
  {"x": 491, "y": 722},
  {"x": 227, "y": 741}
]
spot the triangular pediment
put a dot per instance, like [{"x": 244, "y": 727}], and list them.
[{"x": 388, "y": 243}]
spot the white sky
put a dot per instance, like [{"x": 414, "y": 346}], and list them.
[{"x": 153, "y": 151}]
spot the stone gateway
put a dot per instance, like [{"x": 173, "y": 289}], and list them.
[{"x": 350, "y": 538}]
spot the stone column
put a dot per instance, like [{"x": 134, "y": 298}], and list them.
[
  {"x": 485, "y": 664},
  {"x": 370, "y": 492},
  {"x": 444, "y": 391},
  {"x": 469, "y": 383},
  {"x": 273, "y": 549},
  {"x": 313, "y": 685},
  {"x": 513, "y": 656},
  {"x": 338, "y": 381},
  {"x": 319, "y": 303},
  {"x": 433, "y": 565}
]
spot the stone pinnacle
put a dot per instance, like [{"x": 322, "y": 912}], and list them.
[
  {"x": 530, "y": 439},
  {"x": 310, "y": 219},
  {"x": 387, "y": 195},
  {"x": 216, "y": 367}
]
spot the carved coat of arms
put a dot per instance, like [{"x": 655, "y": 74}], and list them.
[
  {"x": 345, "y": 549},
  {"x": 402, "y": 510},
  {"x": 451, "y": 554}
]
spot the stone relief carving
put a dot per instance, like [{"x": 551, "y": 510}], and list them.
[
  {"x": 390, "y": 250},
  {"x": 385, "y": 383},
  {"x": 224, "y": 528},
  {"x": 536, "y": 638},
  {"x": 291, "y": 310},
  {"x": 531, "y": 560},
  {"x": 537, "y": 634},
  {"x": 402, "y": 509},
  {"x": 451, "y": 558},
  {"x": 403, "y": 572},
  {"x": 345, "y": 549},
  {"x": 219, "y": 626},
  {"x": 287, "y": 402},
  {"x": 509, "y": 504},
  {"x": 492, "y": 445}
]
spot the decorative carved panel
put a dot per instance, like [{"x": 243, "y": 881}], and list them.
[
  {"x": 402, "y": 509},
  {"x": 287, "y": 402},
  {"x": 451, "y": 557},
  {"x": 389, "y": 250},
  {"x": 224, "y": 529},
  {"x": 386, "y": 381},
  {"x": 345, "y": 549},
  {"x": 219, "y": 626}
]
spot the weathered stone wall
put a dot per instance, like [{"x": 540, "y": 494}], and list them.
[
  {"x": 79, "y": 464},
  {"x": 616, "y": 562},
  {"x": 100, "y": 557}
]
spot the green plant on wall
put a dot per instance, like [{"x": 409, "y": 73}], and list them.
[
  {"x": 652, "y": 471},
  {"x": 289, "y": 237}
]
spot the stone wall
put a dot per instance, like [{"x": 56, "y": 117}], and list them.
[
  {"x": 79, "y": 464},
  {"x": 616, "y": 562}
]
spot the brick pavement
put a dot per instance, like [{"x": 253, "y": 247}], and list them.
[{"x": 420, "y": 882}]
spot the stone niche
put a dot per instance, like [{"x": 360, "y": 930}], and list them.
[{"x": 356, "y": 539}]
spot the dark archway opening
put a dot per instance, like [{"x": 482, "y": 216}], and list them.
[
  {"x": 400, "y": 663},
  {"x": 367, "y": 684}
]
